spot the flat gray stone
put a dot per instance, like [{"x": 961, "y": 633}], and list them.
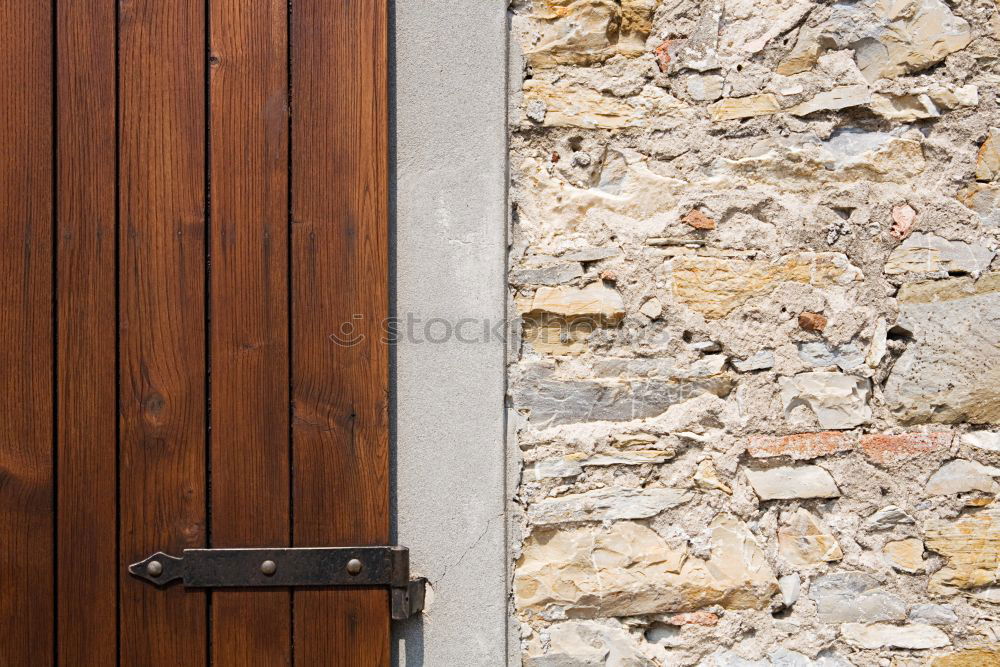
[
  {"x": 950, "y": 371},
  {"x": 854, "y": 597},
  {"x": 554, "y": 402}
]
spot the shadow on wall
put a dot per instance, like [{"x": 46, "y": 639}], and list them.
[{"x": 408, "y": 647}]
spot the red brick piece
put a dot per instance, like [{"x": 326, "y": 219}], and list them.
[
  {"x": 662, "y": 53},
  {"x": 800, "y": 446},
  {"x": 705, "y": 618},
  {"x": 698, "y": 220},
  {"x": 812, "y": 321},
  {"x": 887, "y": 449}
]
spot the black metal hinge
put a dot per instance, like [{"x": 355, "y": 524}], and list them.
[{"x": 321, "y": 566}]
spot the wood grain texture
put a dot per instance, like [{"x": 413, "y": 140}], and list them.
[
  {"x": 85, "y": 294},
  {"x": 340, "y": 280},
  {"x": 249, "y": 317},
  {"x": 162, "y": 321},
  {"x": 26, "y": 329}
]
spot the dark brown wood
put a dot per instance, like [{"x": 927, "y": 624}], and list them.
[
  {"x": 162, "y": 138},
  {"x": 249, "y": 317},
  {"x": 340, "y": 278},
  {"x": 85, "y": 295},
  {"x": 26, "y": 329}
]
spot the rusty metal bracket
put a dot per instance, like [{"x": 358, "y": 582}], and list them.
[{"x": 295, "y": 567}]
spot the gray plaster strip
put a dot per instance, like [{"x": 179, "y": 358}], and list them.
[{"x": 449, "y": 208}]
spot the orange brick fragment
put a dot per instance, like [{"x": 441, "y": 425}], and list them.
[
  {"x": 888, "y": 449},
  {"x": 812, "y": 321},
  {"x": 705, "y": 618},
  {"x": 800, "y": 446},
  {"x": 698, "y": 220},
  {"x": 662, "y": 53}
]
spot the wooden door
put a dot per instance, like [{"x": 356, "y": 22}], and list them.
[{"x": 194, "y": 279}]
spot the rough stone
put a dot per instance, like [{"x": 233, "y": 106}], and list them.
[
  {"x": 779, "y": 657},
  {"x": 786, "y": 483},
  {"x": 890, "y": 38},
  {"x": 801, "y": 446},
  {"x": 595, "y": 300},
  {"x": 559, "y": 320},
  {"x": 584, "y": 644},
  {"x": 889, "y": 517},
  {"x": 555, "y": 402},
  {"x": 715, "y": 287},
  {"x": 977, "y": 657},
  {"x": 854, "y": 597},
  {"x": 952, "y": 370},
  {"x": 933, "y": 614},
  {"x": 652, "y": 308},
  {"x": 928, "y": 253},
  {"x": 915, "y": 105},
  {"x": 988, "y": 158},
  {"x": 838, "y": 401},
  {"x": 820, "y": 353},
  {"x": 547, "y": 275},
  {"x": 986, "y": 440},
  {"x": 745, "y": 107},
  {"x": 584, "y": 32},
  {"x": 885, "y": 635},
  {"x": 699, "y": 51},
  {"x": 805, "y": 542},
  {"x": 565, "y": 104},
  {"x": 970, "y": 544},
  {"x": 838, "y": 98},
  {"x": 850, "y": 155},
  {"x": 707, "y": 478},
  {"x": 905, "y": 555},
  {"x": 984, "y": 199},
  {"x": 889, "y": 449},
  {"x": 607, "y": 504},
  {"x": 790, "y": 586},
  {"x": 627, "y": 569},
  {"x": 706, "y": 88},
  {"x": 761, "y": 361},
  {"x": 962, "y": 476}
]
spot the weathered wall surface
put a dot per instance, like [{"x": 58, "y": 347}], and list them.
[{"x": 757, "y": 385}]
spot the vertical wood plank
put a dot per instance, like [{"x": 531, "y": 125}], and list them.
[
  {"x": 340, "y": 277},
  {"x": 249, "y": 317},
  {"x": 162, "y": 81},
  {"x": 26, "y": 329},
  {"x": 85, "y": 295}
]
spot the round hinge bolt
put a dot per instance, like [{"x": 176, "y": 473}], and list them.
[
  {"x": 268, "y": 567},
  {"x": 154, "y": 568},
  {"x": 353, "y": 567}
]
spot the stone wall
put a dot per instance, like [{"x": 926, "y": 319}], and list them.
[{"x": 756, "y": 381}]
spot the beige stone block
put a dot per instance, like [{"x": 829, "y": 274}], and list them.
[
  {"x": 905, "y": 555},
  {"x": 706, "y": 477},
  {"x": 715, "y": 287},
  {"x": 804, "y": 541},
  {"x": 627, "y": 569},
  {"x": 586, "y": 32},
  {"x": 874, "y": 636},
  {"x": 788, "y": 482},
  {"x": 744, "y": 107},
  {"x": 976, "y": 657},
  {"x": 988, "y": 158},
  {"x": 971, "y": 544}
]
